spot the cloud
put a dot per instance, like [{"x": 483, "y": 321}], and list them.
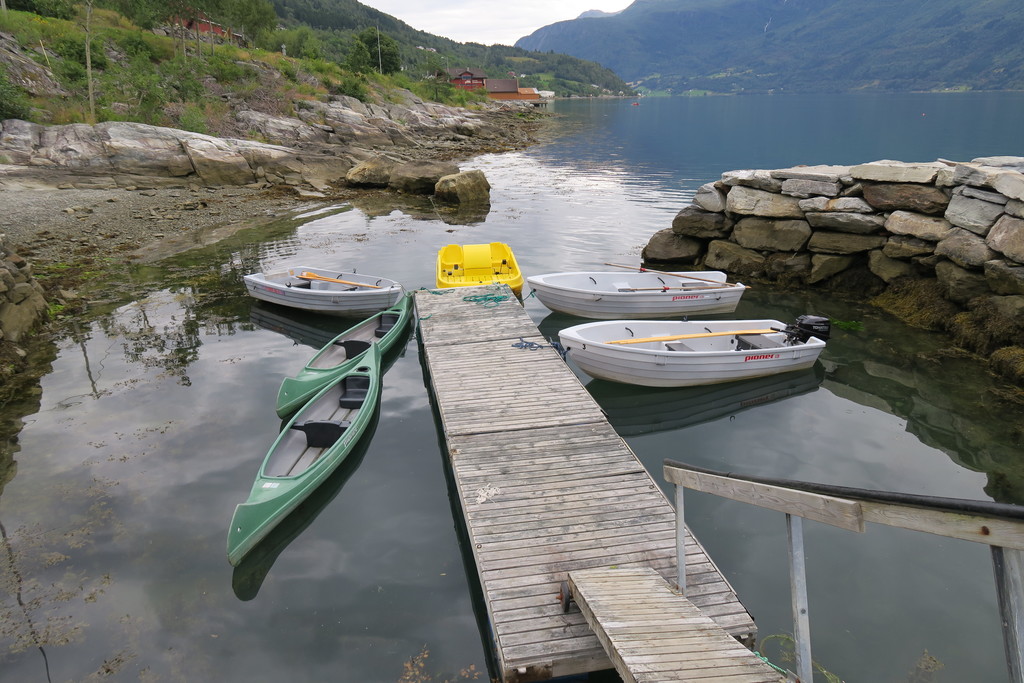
[{"x": 489, "y": 21}]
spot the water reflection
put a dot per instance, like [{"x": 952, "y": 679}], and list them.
[
  {"x": 635, "y": 410},
  {"x": 302, "y": 327}
]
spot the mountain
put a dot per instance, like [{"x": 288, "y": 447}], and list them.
[
  {"x": 677, "y": 46},
  {"x": 337, "y": 21}
]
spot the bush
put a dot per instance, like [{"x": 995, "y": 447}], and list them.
[
  {"x": 59, "y": 9},
  {"x": 353, "y": 85},
  {"x": 193, "y": 118},
  {"x": 13, "y": 104},
  {"x": 73, "y": 48}
]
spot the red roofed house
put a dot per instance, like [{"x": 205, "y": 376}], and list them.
[{"x": 467, "y": 79}]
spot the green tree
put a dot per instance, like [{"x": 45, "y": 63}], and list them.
[
  {"x": 383, "y": 50},
  {"x": 254, "y": 17},
  {"x": 358, "y": 59}
]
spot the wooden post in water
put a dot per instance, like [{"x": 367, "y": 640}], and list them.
[
  {"x": 798, "y": 592},
  {"x": 1009, "y": 570},
  {"x": 680, "y": 541}
]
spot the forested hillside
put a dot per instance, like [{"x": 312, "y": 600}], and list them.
[
  {"x": 67, "y": 61},
  {"x": 335, "y": 22},
  {"x": 678, "y": 46}
]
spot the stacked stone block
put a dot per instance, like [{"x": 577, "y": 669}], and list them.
[{"x": 960, "y": 223}]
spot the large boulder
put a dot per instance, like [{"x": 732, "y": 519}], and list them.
[
  {"x": 375, "y": 172},
  {"x": 420, "y": 177},
  {"x": 468, "y": 187}
]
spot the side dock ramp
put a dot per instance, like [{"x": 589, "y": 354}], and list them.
[{"x": 546, "y": 487}]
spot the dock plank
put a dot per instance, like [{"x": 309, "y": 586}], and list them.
[
  {"x": 545, "y": 486},
  {"x": 655, "y": 634}
]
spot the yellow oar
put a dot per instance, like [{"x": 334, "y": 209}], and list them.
[
  {"x": 690, "y": 336},
  {"x": 314, "y": 276}
]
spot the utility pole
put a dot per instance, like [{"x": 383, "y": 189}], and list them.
[{"x": 380, "y": 62}]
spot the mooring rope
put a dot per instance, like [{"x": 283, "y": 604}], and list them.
[{"x": 534, "y": 346}]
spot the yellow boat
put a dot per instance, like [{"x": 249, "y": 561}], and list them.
[{"x": 466, "y": 265}]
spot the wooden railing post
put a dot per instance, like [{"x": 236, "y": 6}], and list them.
[
  {"x": 798, "y": 592},
  {"x": 680, "y": 541},
  {"x": 1009, "y": 570}
]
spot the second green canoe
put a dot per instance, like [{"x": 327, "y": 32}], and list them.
[{"x": 343, "y": 352}]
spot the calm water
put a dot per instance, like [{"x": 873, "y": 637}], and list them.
[{"x": 157, "y": 413}]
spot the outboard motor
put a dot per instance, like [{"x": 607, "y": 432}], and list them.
[{"x": 807, "y": 326}]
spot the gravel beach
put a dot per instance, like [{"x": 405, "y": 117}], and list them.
[{"x": 60, "y": 226}]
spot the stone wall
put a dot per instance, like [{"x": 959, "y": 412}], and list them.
[
  {"x": 866, "y": 229},
  {"x": 22, "y": 305}
]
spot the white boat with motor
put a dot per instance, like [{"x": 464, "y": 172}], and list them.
[
  {"x": 325, "y": 291},
  {"x": 643, "y": 294},
  {"x": 671, "y": 353}
]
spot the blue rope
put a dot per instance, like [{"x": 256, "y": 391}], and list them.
[{"x": 533, "y": 346}]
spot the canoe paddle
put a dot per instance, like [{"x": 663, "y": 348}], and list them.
[
  {"x": 314, "y": 276},
  {"x": 690, "y": 336},
  {"x": 688, "y": 277}
]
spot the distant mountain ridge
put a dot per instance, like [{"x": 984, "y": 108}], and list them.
[
  {"x": 801, "y": 45},
  {"x": 336, "y": 21}
]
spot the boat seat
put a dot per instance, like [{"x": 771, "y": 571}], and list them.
[
  {"x": 353, "y": 391},
  {"x": 322, "y": 433},
  {"x": 476, "y": 261},
  {"x": 746, "y": 342},
  {"x": 386, "y": 323},
  {"x": 353, "y": 347},
  {"x": 678, "y": 346}
]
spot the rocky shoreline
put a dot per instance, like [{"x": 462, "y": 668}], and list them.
[{"x": 78, "y": 197}]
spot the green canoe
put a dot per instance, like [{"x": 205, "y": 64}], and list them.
[
  {"x": 341, "y": 353},
  {"x": 310, "y": 447}
]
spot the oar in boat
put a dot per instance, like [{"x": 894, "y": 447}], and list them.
[
  {"x": 314, "y": 276},
  {"x": 666, "y": 288},
  {"x": 664, "y": 272},
  {"x": 690, "y": 336}
]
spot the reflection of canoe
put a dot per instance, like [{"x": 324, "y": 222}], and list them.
[
  {"x": 610, "y": 296},
  {"x": 671, "y": 353},
  {"x": 325, "y": 291},
  {"x": 633, "y": 410},
  {"x": 468, "y": 265},
  {"x": 342, "y": 352},
  {"x": 294, "y": 324},
  {"x": 249, "y": 574},
  {"x": 311, "y": 445}
]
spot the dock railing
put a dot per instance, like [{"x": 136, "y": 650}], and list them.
[{"x": 998, "y": 525}]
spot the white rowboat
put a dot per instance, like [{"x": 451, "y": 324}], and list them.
[
  {"x": 325, "y": 291},
  {"x": 668, "y": 353},
  {"x": 648, "y": 294}
]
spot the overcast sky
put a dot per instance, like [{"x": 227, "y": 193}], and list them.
[{"x": 488, "y": 21}]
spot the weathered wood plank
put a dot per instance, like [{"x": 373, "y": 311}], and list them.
[
  {"x": 845, "y": 514},
  {"x": 545, "y": 486},
  {"x": 669, "y": 640}
]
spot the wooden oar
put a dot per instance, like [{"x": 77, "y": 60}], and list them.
[
  {"x": 688, "y": 277},
  {"x": 695, "y": 288},
  {"x": 314, "y": 276},
  {"x": 690, "y": 336}
]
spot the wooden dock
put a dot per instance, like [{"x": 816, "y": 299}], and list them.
[
  {"x": 546, "y": 486},
  {"x": 655, "y": 634}
]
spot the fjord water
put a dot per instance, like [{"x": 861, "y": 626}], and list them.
[{"x": 157, "y": 411}]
